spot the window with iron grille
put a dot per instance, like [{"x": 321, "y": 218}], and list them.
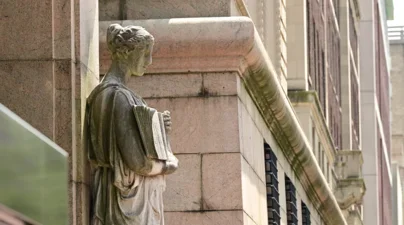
[
  {"x": 355, "y": 109},
  {"x": 323, "y": 53},
  {"x": 305, "y": 215},
  {"x": 291, "y": 206},
  {"x": 334, "y": 82},
  {"x": 315, "y": 52},
  {"x": 353, "y": 37},
  {"x": 336, "y": 8},
  {"x": 271, "y": 176}
]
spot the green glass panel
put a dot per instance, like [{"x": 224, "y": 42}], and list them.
[
  {"x": 33, "y": 172},
  {"x": 389, "y": 4}
]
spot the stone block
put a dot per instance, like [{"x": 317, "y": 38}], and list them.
[
  {"x": 26, "y": 29},
  {"x": 366, "y": 10},
  {"x": 221, "y": 83},
  {"x": 87, "y": 36},
  {"x": 85, "y": 80},
  {"x": 221, "y": 181},
  {"x": 27, "y": 90},
  {"x": 247, "y": 220},
  {"x": 63, "y": 74},
  {"x": 204, "y": 218},
  {"x": 110, "y": 10},
  {"x": 79, "y": 195},
  {"x": 367, "y": 54},
  {"x": 202, "y": 125},
  {"x": 62, "y": 29},
  {"x": 63, "y": 119},
  {"x": 157, "y": 9},
  {"x": 168, "y": 85},
  {"x": 372, "y": 204},
  {"x": 251, "y": 142},
  {"x": 184, "y": 191},
  {"x": 255, "y": 10},
  {"x": 253, "y": 193},
  {"x": 252, "y": 110}
]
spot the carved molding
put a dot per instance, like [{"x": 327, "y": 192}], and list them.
[
  {"x": 349, "y": 192},
  {"x": 233, "y": 44}
]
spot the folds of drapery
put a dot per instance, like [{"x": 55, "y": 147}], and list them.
[{"x": 121, "y": 194}]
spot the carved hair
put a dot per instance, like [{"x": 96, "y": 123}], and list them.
[{"x": 122, "y": 40}]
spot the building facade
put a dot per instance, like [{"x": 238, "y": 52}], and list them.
[
  {"x": 396, "y": 39},
  {"x": 275, "y": 104},
  {"x": 375, "y": 111}
]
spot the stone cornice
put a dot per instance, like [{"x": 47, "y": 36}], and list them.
[
  {"x": 198, "y": 44},
  {"x": 232, "y": 44}
]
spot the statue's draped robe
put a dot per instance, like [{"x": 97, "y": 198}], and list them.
[{"x": 121, "y": 194}]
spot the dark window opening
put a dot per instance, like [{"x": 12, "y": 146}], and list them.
[
  {"x": 272, "y": 185},
  {"x": 305, "y": 215},
  {"x": 291, "y": 202}
]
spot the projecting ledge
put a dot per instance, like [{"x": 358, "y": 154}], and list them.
[
  {"x": 300, "y": 98},
  {"x": 350, "y": 185},
  {"x": 233, "y": 44}
]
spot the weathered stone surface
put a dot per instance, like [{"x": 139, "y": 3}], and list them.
[
  {"x": 62, "y": 29},
  {"x": 251, "y": 142},
  {"x": 63, "y": 74},
  {"x": 27, "y": 90},
  {"x": 167, "y": 85},
  {"x": 211, "y": 128},
  {"x": 247, "y": 220},
  {"x": 156, "y": 9},
  {"x": 204, "y": 218},
  {"x": 296, "y": 64},
  {"x": 110, "y": 10},
  {"x": 185, "y": 85},
  {"x": 221, "y": 181},
  {"x": 253, "y": 193},
  {"x": 29, "y": 22},
  {"x": 221, "y": 83},
  {"x": 184, "y": 187},
  {"x": 350, "y": 187},
  {"x": 195, "y": 42},
  {"x": 63, "y": 119},
  {"x": 80, "y": 202}
]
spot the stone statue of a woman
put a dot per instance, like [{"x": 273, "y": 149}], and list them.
[{"x": 128, "y": 151}]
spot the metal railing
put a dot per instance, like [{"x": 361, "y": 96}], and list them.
[{"x": 396, "y": 34}]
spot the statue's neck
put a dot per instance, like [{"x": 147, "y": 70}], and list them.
[{"x": 118, "y": 73}]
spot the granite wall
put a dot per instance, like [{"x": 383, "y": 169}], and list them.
[{"x": 48, "y": 65}]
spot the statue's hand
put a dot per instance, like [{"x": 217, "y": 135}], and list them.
[
  {"x": 171, "y": 165},
  {"x": 167, "y": 120}
]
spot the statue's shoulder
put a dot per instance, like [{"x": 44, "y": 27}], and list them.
[
  {"x": 120, "y": 92},
  {"x": 106, "y": 88}
]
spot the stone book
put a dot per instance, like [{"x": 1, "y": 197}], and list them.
[{"x": 151, "y": 124}]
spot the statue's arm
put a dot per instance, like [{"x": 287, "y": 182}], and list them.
[{"x": 130, "y": 145}]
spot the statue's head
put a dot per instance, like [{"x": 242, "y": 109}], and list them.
[{"x": 131, "y": 45}]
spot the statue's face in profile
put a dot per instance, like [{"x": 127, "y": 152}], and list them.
[{"x": 140, "y": 60}]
